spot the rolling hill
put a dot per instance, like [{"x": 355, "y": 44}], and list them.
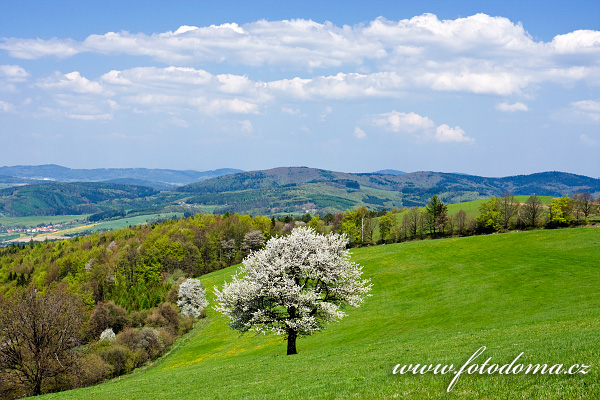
[
  {"x": 280, "y": 191},
  {"x": 297, "y": 189},
  {"x": 55, "y": 198},
  {"x": 435, "y": 301}
]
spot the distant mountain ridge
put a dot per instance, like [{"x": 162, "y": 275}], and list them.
[
  {"x": 167, "y": 177},
  {"x": 297, "y": 189},
  {"x": 277, "y": 191}
]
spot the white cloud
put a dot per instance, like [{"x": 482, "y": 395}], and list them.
[
  {"x": 444, "y": 133},
  {"x": 359, "y": 133},
  {"x": 90, "y": 117},
  {"x": 402, "y": 122},
  {"x": 31, "y": 49},
  {"x": 506, "y": 107},
  {"x": 502, "y": 83},
  {"x": 13, "y": 73},
  {"x": 71, "y": 82},
  {"x": 419, "y": 126},
  {"x": 478, "y": 54},
  {"x": 293, "y": 111},
  {"x": 580, "y": 41}
]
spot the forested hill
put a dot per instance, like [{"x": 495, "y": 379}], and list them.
[
  {"x": 286, "y": 190},
  {"x": 297, "y": 189},
  {"x": 55, "y": 198}
]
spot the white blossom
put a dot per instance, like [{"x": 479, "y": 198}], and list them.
[
  {"x": 107, "y": 334},
  {"x": 192, "y": 297},
  {"x": 294, "y": 286}
]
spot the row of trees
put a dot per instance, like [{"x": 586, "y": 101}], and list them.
[{"x": 496, "y": 214}]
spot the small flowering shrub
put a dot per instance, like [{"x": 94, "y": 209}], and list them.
[
  {"x": 192, "y": 298},
  {"x": 107, "y": 334}
]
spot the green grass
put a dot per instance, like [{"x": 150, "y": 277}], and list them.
[
  {"x": 117, "y": 223},
  {"x": 434, "y": 301},
  {"x": 30, "y": 222},
  {"x": 472, "y": 207},
  {"x": 9, "y": 236}
]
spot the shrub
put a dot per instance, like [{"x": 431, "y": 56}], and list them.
[
  {"x": 151, "y": 341},
  {"x": 166, "y": 316},
  {"x": 130, "y": 338},
  {"x": 192, "y": 297},
  {"x": 166, "y": 337},
  {"x": 108, "y": 335},
  {"x": 138, "y": 318},
  {"x": 91, "y": 369},
  {"x": 120, "y": 359},
  {"x": 107, "y": 315}
]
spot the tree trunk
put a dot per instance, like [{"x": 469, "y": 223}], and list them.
[{"x": 291, "y": 344}]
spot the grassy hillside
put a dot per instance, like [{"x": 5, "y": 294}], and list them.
[
  {"x": 11, "y": 222},
  {"x": 117, "y": 224},
  {"x": 435, "y": 302}
]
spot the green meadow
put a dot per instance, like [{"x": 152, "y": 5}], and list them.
[
  {"x": 472, "y": 207},
  {"x": 117, "y": 223},
  {"x": 30, "y": 222},
  {"x": 433, "y": 302}
]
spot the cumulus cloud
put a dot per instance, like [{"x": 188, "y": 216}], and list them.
[
  {"x": 444, "y": 133},
  {"x": 402, "y": 122},
  {"x": 73, "y": 82},
  {"x": 170, "y": 90},
  {"x": 13, "y": 73},
  {"x": 359, "y": 133},
  {"x": 580, "y": 41},
  {"x": 419, "y": 126},
  {"x": 478, "y": 54},
  {"x": 507, "y": 107}
]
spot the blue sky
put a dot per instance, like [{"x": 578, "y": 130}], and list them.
[{"x": 486, "y": 88}]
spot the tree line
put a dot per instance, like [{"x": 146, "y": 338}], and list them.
[{"x": 497, "y": 214}]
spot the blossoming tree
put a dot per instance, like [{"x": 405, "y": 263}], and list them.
[
  {"x": 294, "y": 286},
  {"x": 192, "y": 298}
]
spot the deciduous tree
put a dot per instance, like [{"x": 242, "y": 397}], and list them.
[
  {"x": 192, "y": 297},
  {"x": 294, "y": 286},
  {"x": 560, "y": 211},
  {"x": 532, "y": 211},
  {"x": 582, "y": 204},
  {"x": 37, "y": 333},
  {"x": 508, "y": 208}
]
